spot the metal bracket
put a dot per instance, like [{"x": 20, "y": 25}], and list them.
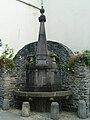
[{"x": 28, "y": 4}]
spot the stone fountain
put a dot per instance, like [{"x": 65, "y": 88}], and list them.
[{"x": 43, "y": 75}]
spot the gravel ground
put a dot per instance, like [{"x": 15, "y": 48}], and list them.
[{"x": 14, "y": 114}]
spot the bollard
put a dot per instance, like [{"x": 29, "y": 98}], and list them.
[
  {"x": 82, "y": 109},
  {"x": 25, "y": 109},
  {"x": 5, "y": 104},
  {"x": 54, "y": 111}
]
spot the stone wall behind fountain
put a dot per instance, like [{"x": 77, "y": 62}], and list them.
[
  {"x": 20, "y": 59},
  {"x": 18, "y": 77},
  {"x": 79, "y": 82}
]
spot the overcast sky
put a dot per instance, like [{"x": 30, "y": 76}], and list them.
[
  {"x": 68, "y": 22},
  {"x": 18, "y": 23}
]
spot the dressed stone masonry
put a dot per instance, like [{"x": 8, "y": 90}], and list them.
[
  {"x": 54, "y": 111},
  {"x": 6, "y": 104},
  {"x": 82, "y": 109},
  {"x": 25, "y": 109}
]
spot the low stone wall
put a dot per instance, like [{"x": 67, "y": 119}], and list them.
[
  {"x": 79, "y": 83},
  {"x": 7, "y": 85}
]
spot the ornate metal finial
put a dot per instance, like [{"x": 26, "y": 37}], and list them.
[
  {"x": 42, "y": 18},
  {"x": 42, "y": 10}
]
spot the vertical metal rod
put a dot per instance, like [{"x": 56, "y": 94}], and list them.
[{"x": 41, "y": 3}]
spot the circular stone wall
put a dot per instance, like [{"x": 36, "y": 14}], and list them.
[{"x": 59, "y": 49}]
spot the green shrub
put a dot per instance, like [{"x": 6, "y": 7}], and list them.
[
  {"x": 6, "y": 59},
  {"x": 78, "y": 57}
]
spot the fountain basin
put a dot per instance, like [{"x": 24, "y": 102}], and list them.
[{"x": 42, "y": 94}]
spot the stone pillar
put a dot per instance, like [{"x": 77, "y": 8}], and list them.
[
  {"x": 54, "y": 111},
  {"x": 82, "y": 109},
  {"x": 47, "y": 77},
  {"x": 36, "y": 77},
  {"x": 25, "y": 109},
  {"x": 5, "y": 104}
]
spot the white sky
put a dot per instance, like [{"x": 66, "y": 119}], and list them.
[
  {"x": 68, "y": 22},
  {"x": 18, "y": 23}
]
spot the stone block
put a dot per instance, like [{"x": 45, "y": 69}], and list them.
[
  {"x": 82, "y": 109},
  {"x": 5, "y": 104},
  {"x": 25, "y": 109},
  {"x": 54, "y": 111}
]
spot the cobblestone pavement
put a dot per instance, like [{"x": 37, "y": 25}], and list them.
[{"x": 14, "y": 114}]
